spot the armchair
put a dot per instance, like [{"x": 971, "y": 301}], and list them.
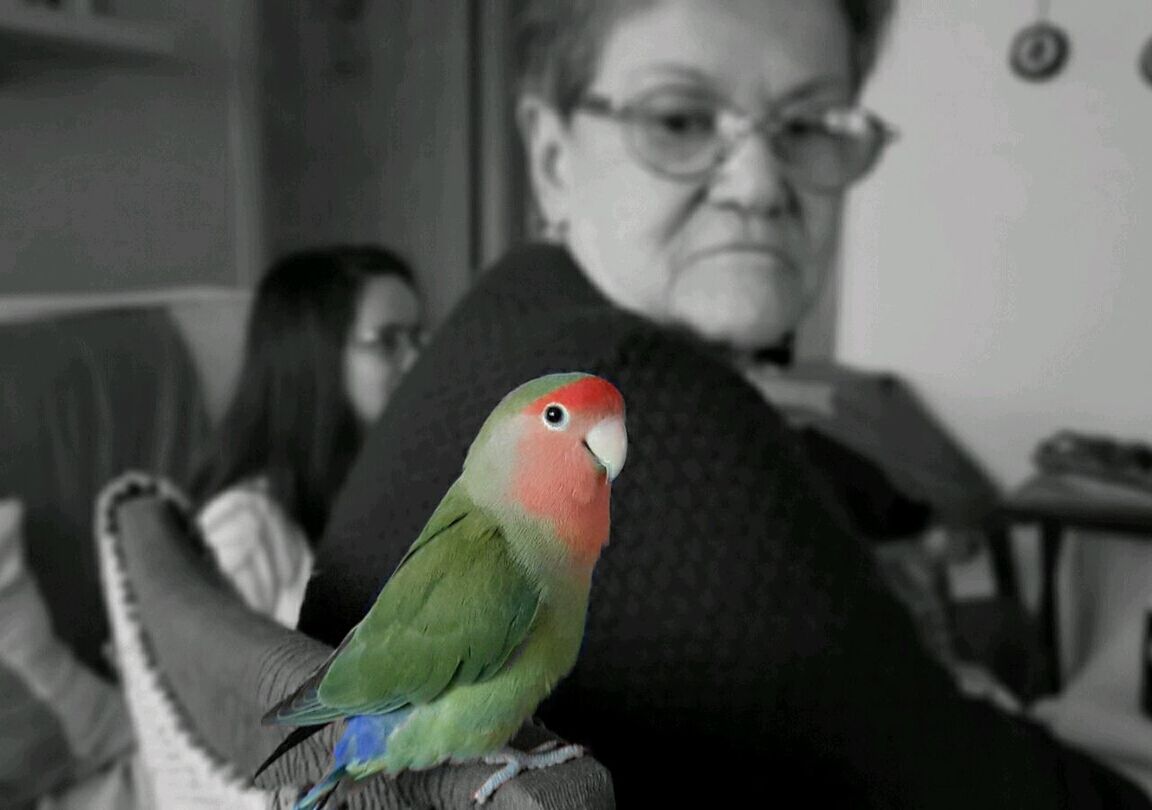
[{"x": 199, "y": 669}]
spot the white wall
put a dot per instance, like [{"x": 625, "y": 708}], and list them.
[{"x": 1000, "y": 259}]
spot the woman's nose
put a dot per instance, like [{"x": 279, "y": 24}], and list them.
[{"x": 751, "y": 178}]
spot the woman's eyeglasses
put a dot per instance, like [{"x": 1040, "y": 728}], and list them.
[
  {"x": 391, "y": 339},
  {"x": 686, "y": 137}
]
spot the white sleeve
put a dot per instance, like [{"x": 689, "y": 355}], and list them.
[{"x": 237, "y": 526}]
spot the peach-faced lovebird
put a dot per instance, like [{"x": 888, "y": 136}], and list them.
[{"x": 485, "y": 613}]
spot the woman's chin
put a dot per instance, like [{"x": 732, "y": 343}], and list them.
[
  {"x": 740, "y": 336},
  {"x": 742, "y": 304},
  {"x": 742, "y": 323}
]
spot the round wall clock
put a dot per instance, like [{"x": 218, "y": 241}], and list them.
[{"x": 1040, "y": 51}]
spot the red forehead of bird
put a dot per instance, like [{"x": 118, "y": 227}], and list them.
[{"x": 588, "y": 395}]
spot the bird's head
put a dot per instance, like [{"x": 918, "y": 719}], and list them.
[{"x": 551, "y": 450}]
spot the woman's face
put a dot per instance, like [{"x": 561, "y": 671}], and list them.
[
  {"x": 737, "y": 255},
  {"x": 382, "y": 344}
]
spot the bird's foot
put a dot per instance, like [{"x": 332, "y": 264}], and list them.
[{"x": 542, "y": 756}]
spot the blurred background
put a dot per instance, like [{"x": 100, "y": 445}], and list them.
[{"x": 158, "y": 154}]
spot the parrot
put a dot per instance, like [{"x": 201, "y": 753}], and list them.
[{"x": 485, "y": 612}]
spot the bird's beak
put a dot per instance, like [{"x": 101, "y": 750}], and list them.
[{"x": 608, "y": 442}]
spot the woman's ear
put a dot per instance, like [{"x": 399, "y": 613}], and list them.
[{"x": 545, "y": 140}]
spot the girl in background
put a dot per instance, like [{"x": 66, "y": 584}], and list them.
[{"x": 331, "y": 333}]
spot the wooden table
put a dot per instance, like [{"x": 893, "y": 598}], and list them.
[{"x": 1056, "y": 504}]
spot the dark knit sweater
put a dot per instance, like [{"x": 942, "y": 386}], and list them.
[{"x": 739, "y": 637}]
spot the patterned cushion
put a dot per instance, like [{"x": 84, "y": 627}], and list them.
[{"x": 59, "y": 722}]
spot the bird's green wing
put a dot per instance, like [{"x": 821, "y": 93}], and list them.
[{"x": 452, "y": 613}]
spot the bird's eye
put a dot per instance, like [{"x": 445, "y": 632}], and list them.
[{"x": 555, "y": 417}]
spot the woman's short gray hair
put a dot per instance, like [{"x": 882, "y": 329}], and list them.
[{"x": 558, "y": 42}]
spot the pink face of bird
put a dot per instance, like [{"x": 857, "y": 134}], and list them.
[{"x": 573, "y": 446}]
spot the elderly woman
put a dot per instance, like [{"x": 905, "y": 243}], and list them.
[{"x": 691, "y": 159}]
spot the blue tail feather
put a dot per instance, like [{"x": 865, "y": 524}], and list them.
[
  {"x": 364, "y": 741},
  {"x": 318, "y": 795},
  {"x": 365, "y": 738}
]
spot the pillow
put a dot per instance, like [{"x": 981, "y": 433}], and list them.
[{"x": 59, "y": 722}]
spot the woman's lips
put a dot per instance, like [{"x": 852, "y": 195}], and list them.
[{"x": 770, "y": 253}]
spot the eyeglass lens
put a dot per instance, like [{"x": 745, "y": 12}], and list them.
[{"x": 684, "y": 138}]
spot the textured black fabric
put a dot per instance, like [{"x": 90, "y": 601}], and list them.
[{"x": 739, "y": 638}]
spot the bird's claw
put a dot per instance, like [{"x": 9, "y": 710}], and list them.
[{"x": 542, "y": 756}]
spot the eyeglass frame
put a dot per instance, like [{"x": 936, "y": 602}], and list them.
[
  {"x": 743, "y": 125},
  {"x": 390, "y": 338}
]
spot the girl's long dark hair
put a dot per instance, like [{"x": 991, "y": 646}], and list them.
[{"x": 289, "y": 419}]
